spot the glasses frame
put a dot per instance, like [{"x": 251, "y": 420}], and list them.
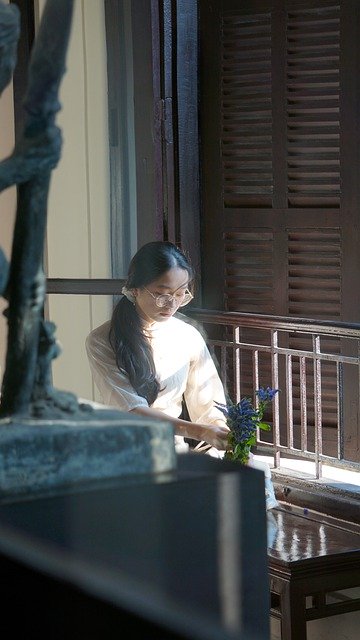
[{"x": 173, "y": 299}]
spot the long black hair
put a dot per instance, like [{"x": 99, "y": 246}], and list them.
[{"x": 128, "y": 338}]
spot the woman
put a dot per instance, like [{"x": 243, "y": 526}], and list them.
[{"x": 146, "y": 360}]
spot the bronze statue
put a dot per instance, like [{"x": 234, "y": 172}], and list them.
[{"x": 27, "y": 389}]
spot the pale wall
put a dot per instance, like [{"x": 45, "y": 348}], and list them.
[{"x": 78, "y": 219}]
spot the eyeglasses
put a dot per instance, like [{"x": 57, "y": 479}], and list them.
[{"x": 181, "y": 298}]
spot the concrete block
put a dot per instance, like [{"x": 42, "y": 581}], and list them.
[{"x": 44, "y": 454}]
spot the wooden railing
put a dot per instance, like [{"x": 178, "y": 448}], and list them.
[{"x": 316, "y": 366}]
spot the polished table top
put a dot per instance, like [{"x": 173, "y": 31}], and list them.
[{"x": 296, "y": 535}]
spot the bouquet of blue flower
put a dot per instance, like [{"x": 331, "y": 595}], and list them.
[{"x": 244, "y": 419}]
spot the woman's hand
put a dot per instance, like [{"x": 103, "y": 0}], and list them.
[{"x": 215, "y": 435}]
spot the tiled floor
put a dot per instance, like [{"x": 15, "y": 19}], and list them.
[{"x": 345, "y": 627}]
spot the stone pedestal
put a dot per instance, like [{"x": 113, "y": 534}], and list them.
[{"x": 37, "y": 455}]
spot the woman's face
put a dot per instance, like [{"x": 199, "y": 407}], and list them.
[{"x": 174, "y": 282}]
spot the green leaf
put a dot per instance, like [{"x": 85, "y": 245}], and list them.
[{"x": 264, "y": 426}]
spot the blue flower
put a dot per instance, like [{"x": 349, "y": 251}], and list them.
[
  {"x": 266, "y": 395},
  {"x": 244, "y": 419}
]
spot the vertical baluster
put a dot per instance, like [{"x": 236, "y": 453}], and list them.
[
  {"x": 303, "y": 403},
  {"x": 289, "y": 402},
  {"x": 275, "y": 385},
  {"x": 317, "y": 405},
  {"x": 340, "y": 409},
  {"x": 236, "y": 364}
]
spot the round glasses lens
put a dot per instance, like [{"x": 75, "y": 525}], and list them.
[
  {"x": 163, "y": 301},
  {"x": 180, "y": 299},
  {"x": 187, "y": 298}
]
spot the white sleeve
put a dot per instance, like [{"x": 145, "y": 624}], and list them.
[
  {"x": 203, "y": 388},
  {"x": 114, "y": 386}
]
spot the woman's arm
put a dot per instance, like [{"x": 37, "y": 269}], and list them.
[{"x": 213, "y": 434}]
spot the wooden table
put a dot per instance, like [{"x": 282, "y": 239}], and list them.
[{"x": 310, "y": 557}]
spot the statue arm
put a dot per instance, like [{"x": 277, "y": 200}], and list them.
[
  {"x": 31, "y": 156},
  {"x": 4, "y": 273}
]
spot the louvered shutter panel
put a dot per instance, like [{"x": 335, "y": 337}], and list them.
[
  {"x": 314, "y": 273},
  {"x": 280, "y": 183},
  {"x": 246, "y": 110},
  {"x": 312, "y": 98},
  {"x": 310, "y": 141},
  {"x": 249, "y": 259}
]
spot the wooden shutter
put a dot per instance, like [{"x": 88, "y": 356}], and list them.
[
  {"x": 312, "y": 105},
  {"x": 279, "y": 104},
  {"x": 272, "y": 154},
  {"x": 246, "y": 109}
]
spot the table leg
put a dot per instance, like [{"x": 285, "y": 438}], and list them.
[{"x": 293, "y": 614}]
